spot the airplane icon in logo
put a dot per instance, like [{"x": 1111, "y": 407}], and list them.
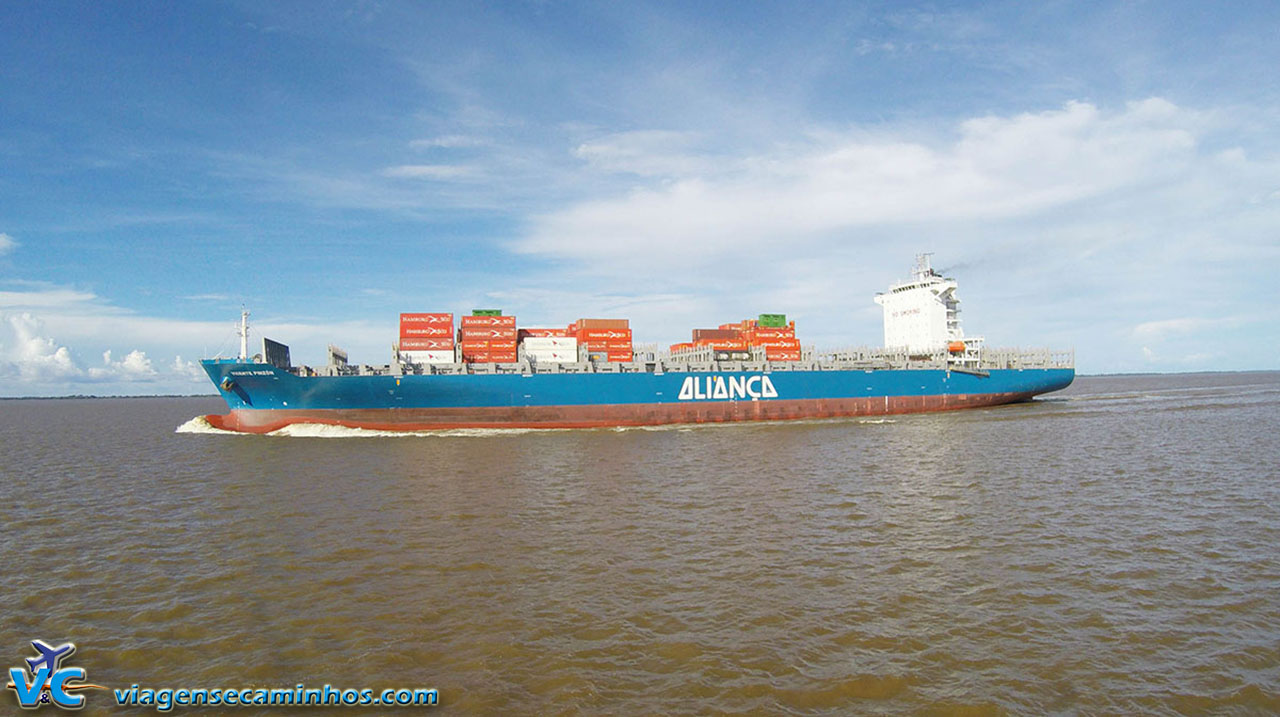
[{"x": 49, "y": 655}]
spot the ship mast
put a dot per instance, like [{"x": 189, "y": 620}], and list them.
[{"x": 243, "y": 330}]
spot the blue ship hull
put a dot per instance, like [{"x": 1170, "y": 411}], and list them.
[{"x": 263, "y": 398}]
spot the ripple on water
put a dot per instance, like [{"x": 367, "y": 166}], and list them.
[{"x": 1112, "y": 553}]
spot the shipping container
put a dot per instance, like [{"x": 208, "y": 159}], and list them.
[
  {"x": 504, "y": 322},
  {"x": 540, "y": 333},
  {"x": 600, "y": 324},
  {"x": 782, "y": 354},
  {"x": 779, "y": 344},
  {"x": 773, "y": 321},
  {"x": 546, "y": 356},
  {"x": 427, "y": 356},
  {"x": 700, "y": 334},
  {"x": 725, "y": 344},
  {"x": 491, "y": 357},
  {"x": 486, "y": 312},
  {"x": 760, "y": 334},
  {"x": 418, "y": 344},
  {"x": 595, "y": 334},
  {"x": 685, "y": 346},
  {"x": 733, "y": 355},
  {"x": 426, "y": 331},
  {"x": 432, "y": 319},
  {"x": 467, "y": 334},
  {"x": 560, "y": 343},
  {"x": 480, "y": 346}
]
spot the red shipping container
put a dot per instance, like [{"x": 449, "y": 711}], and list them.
[
  {"x": 782, "y": 354},
  {"x": 500, "y": 334},
  {"x": 619, "y": 355},
  {"x": 407, "y": 344},
  {"x": 600, "y": 324},
  {"x": 429, "y": 319},
  {"x": 543, "y": 333},
  {"x": 700, "y": 334},
  {"x": 785, "y": 344},
  {"x": 773, "y": 334},
  {"x": 504, "y": 322},
  {"x": 723, "y": 344},
  {"x": 474, "y": 346},
  {"x": 491, "y": 357},
  {"x": 593, "y": 334},
  {"x": 426, "y": 331}
]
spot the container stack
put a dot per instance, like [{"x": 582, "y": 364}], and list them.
[
  {"x": 770, "y": 332},
  {"x": 426, "y": 338},
  {"x": 604, "y": 339},
  {"x": 777, "y": 337},
  {"x": 488, "y": 337},
  {"x": 549, "y": 345}
]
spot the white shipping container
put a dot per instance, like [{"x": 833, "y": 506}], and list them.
[
  {"x": 427, "y": 356},
  {"x": 548, "y": 356},
  {"x": 551, "y": 343}
]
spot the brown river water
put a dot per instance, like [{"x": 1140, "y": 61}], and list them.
[{"x": 1110, "y": 549}]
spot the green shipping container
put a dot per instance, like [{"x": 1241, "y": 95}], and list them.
[
  {"x": 486, "y": 312},
  {"x": 773, "y": 321}
]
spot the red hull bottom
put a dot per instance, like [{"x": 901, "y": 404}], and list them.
[{"x": 650, "y": 414}]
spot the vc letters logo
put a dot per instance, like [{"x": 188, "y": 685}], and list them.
[{"x": 49, "y": 681}]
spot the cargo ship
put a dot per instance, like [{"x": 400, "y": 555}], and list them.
[{"x": 490, "y": 373}]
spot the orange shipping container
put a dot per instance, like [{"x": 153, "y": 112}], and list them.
[
  {"x": 473, "y": 346},
  {"x": 784, "y": 344},
  {"x": 408, "y": 344},
  {"x": 543, "y": 333},
  {"x": 505, "y": 322},
  {"x": 714, "y": 334},
  {"x": 426, "y": 331},
  {"x": 600, "y": 324},
  {"x": 782, "y": 354},
  {"x": 773, "y": 334},
  {"x": 724, "y": 344},
  {"x": 592, "y": 334},
  {"x": 429, "y": 319},
  {"x": 502, "y": 356},
  {"x": 686, "y": 346},
  {"x": 472, "y": 334}
]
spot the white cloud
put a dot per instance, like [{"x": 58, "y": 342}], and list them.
[
  {"x": 995, "y": 168},
  {"x": 646, "y": 153},
  {"x": 428, "y": 171},
  {"x": 1171, "y": 326},
  {"x": 28, "y": 356},
  {"x": 31, "y": 358},
  {"x": 135, "y": 366},
  {"x": 7, "y": 243},
  {"x": 44, "y": 297},
  {"x": 189, "y": 370},
  {"x": 449, "y": 141}
]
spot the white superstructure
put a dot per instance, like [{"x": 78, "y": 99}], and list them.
[{"x": 922, "y": 315}]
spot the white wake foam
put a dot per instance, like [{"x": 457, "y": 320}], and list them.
[
  {"x": 200, "y": 424},
  {"x": 324, "y": 430}
]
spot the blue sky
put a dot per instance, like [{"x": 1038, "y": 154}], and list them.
[{"x": 1103, "y": 176}]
